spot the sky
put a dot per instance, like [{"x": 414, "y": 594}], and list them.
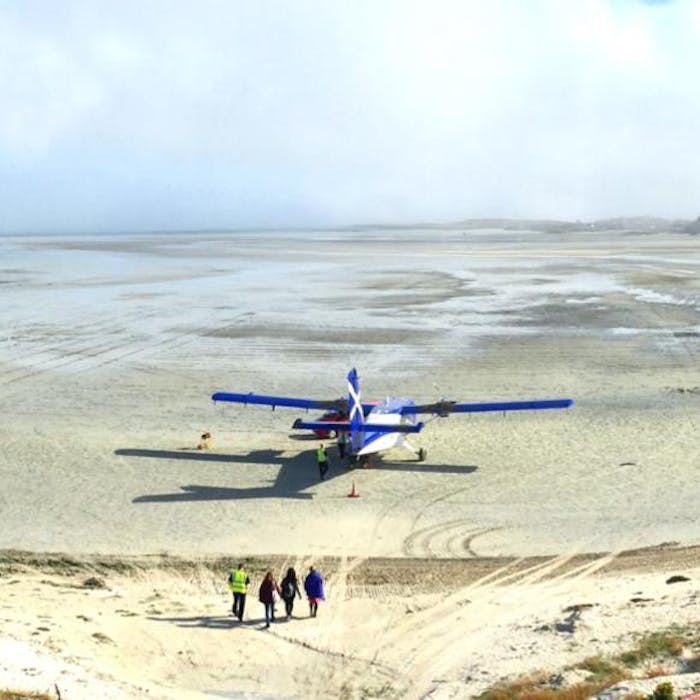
[{"x": 148, "y": 115}]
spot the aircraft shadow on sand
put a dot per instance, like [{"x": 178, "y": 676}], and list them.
[
  {"x": 296, "y": 474},
  {"x": 256, "y": 457},
  {"x": 424, "y": 468}
]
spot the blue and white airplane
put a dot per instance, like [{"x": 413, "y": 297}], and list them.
[{"x": 377, "y": 427}]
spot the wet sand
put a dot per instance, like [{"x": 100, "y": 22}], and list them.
[{"x": 113, "y": 346}]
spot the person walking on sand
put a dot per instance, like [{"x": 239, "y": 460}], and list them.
[
  {"x": 238, "y": 582},
  {"x": 268, "y": 590},
  {"x": 313, "y": 585},
  {"x": 322, "y": 459},
  {"x": 290, "y": 589}
]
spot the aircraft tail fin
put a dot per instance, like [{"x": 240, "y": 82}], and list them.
[{"x": 357, "y": 417}]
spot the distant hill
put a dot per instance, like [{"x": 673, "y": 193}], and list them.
[
  {"x": 636, "y": 224},
  {"x": 640, "y": 224}
]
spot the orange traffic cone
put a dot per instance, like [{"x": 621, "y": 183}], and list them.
[{"x": 353, "y": 493}]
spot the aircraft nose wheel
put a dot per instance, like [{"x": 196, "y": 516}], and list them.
[{"x": 422, "y": 454}]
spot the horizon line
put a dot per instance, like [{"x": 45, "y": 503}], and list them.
[{"x": 483, "y": 222}]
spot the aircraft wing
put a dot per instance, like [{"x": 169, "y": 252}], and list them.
[
  {"x": 367, "y": 427},
  {"x": 339, "y": 404},
  {"x": 444, "y": 408}
]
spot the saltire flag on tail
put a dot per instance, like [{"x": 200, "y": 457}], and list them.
[{"x": 357, "y": 417}]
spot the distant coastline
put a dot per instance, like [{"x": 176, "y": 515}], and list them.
[
  {"x": 632, "y": 224},
  {"x": 638, "y": 224}
]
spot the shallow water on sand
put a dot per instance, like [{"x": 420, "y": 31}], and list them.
[{"x": 387, "y": 298}]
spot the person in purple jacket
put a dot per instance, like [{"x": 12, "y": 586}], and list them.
[{"x": 313, "y": 585}]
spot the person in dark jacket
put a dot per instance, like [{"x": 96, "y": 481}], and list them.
[
  {"x": 342, "y": 443},
  {"x": 268, "y": 590},
  {"x": 290, "y": 589},
  {"x": 313, "y": 585}
]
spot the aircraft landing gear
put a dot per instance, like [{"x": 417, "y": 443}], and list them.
[
  {"x": 355, "y": 462},
  {"x": 422, "y": 454}
]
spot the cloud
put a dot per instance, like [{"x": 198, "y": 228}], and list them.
[{"x": 232, "y": 114}]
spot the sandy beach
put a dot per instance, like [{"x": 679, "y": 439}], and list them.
[{"x": 444, "y": 576}]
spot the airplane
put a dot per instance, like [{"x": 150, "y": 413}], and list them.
[{"x": 378, "y": 426}]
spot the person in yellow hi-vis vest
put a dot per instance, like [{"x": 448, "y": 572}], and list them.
[
  {"x": 322, "y": 459},
  {"x": 238, "y": 582}
]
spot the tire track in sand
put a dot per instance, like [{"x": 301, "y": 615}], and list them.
[
  {"x": 420, "y": 543},
  {"x": 442, "y": 648},
  {"x": 340, "y": 667}
]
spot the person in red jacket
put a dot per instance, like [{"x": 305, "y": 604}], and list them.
[{"x": 268, "y": 590}]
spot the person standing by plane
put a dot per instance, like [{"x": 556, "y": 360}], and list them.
[
  {"x": 322, "y": 459},
  {"x": 313, "y": 585},
  {"x": 342, "y": 443},
  {"x": 238, "y": 582}
]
